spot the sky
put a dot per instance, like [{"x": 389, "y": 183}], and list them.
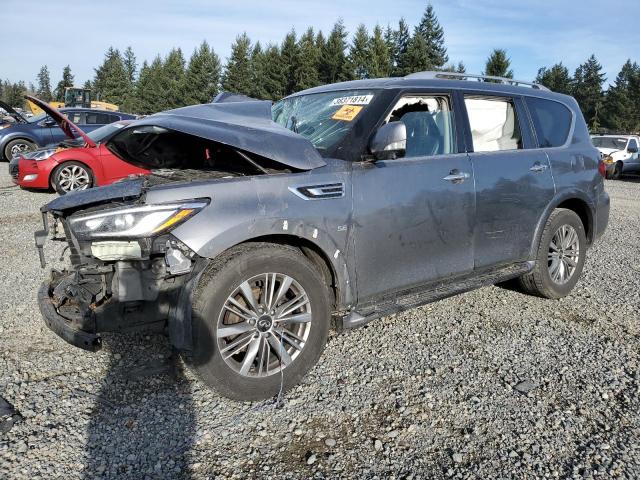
[{"x": 534, "y": 33}]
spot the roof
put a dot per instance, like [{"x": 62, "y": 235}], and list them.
[{"x": 416, "y": 81}]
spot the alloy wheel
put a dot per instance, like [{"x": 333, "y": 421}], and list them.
[
  {"x": 19, "y": 148},
  {"x": 73, "y": 177},
  {"x": 264, "y": 325},
  {"x": 564, "y": 254}
]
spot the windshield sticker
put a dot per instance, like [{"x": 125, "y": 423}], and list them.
[
  {"x": 347, "y": 112},
  {"x": 352, "y": 100}
]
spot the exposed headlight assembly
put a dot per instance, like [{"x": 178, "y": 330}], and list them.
[
  {"x": 40, "y": 154},
  {"x": 134, "y": 222}
]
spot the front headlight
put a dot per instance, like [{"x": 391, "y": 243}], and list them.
[
  {"x": 39, "y": 154},
  {"x": 608, "y": 159},
  {"x": 134, "y": 222}
]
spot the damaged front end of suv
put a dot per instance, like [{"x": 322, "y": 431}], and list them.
[{"x": 128, "y": 270}]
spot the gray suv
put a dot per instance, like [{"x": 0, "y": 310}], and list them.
[{"x": 261, "y": 226}]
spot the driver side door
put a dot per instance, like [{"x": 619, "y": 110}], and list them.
[{"x": 414, "y": 215}]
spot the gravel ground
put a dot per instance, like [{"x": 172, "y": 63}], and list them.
[{"x": 490, "y": 384}]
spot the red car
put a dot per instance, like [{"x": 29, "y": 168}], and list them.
[{"x": 72, "y": 166}]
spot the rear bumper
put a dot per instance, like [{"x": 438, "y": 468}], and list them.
[{"x": 602, "y": 214}]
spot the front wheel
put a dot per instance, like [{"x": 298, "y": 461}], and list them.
[
  {"x": 617, "y": 171},
  {"x": 17, "y": 147},
  {"x": 561, "y": 256},
  {"x": 70, "y": 176},
  {"x": 260, "y": 320}
]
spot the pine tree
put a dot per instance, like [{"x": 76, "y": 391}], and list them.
[
  {"x": 359, "y": 58},
  {"x": 202, "y": 77},
  {"x": 452, "y": 67},
  {"x": 416, "y": 57},
  {"x": 150, "y": 88},
  {"x": 43, "y": 92},
  {"x": 67, "y": 81},
  {"x": 401, "y": 40},
  {"x": 272, "y": 75},
  {"x": 620, "y": 111},
  {"x": 556, "y": 78},
  {"x": 13, "y": 93},
  {"x": 237, "y": 75},
  {"x": 433, "y": 34},
  {"x": 498, "y": 64},
  {"x": 87, "y": 84},
  {"x": 380, "y": 57},
  {"x": 334, "y": 66},
  {"x": 389, "y": 40},
  {"x": 289, "y": 55},
  {"x": 111, "y": 83},
  {"x": 305, "y": 73},
  {"x": 130, "y": 64},
  {"x": 173, "y": 79},
  {"x": 587, "y": 90},
  {"x": 321, "y": 44}
]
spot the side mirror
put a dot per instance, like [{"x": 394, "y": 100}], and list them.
[
  {"x": 632, "y": 149},
  {"x": 389, "y": 142}
]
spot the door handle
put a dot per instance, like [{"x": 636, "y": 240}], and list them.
[
  {"x": 538, "y": 167},
  {"x": 456, "y": 176}
]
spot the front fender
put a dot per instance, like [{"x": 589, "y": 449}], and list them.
[{"x": 332, "y": 247}]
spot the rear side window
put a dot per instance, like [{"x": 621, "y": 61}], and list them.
[
  {"x": 494, "y": 124},
  {"x": 552, "y": 121},
  {"x": 94, "y": 118},
  {"x": 113, "y": 118}
]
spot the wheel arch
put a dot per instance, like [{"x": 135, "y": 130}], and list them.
[
  {"x": 314, "y": 253},
  {"x": 16, "y": 136},
  {"x": 60, "y": 163},
  {"x": 575, "y": 201}
]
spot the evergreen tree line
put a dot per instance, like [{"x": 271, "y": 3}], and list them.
[{"x": 273, "y": 71}]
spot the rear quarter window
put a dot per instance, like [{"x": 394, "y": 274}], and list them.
[{"x": 551, "y": 120}]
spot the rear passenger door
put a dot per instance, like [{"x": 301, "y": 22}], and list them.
[{"x": 513, "y": 178}]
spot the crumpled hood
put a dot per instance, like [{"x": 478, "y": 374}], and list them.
[
  {"x": 245, "y": 125},
  {"x": 124, "y": 190},
  {"x": 608, "y": 151}
]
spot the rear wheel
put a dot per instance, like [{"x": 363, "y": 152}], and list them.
[
  {"x": 561, "y": 256},
  {"x": 70, "y": 176},
  {"x": 17, "y": 147},
  {"x": 260, "y": 320},
  {"x": 617, "y": 171}
]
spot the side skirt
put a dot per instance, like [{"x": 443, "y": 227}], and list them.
[{"x": 417, "y": 296}]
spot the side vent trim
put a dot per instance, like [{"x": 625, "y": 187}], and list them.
[{"x": 319, "y": 192}]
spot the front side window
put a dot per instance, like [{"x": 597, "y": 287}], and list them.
[
  {"x": 494, "y": 124},
  {"x": 323, "y": 118},
  {"x": 552, "y": 121},
  {"x": 633, "y": 144},
  {"x": 429, "y": 123}
]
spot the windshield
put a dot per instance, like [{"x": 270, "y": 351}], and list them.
[
  {"x": 322, "y": 118},
  {"x": 617, "y": 143},
  {"x": 100, "y": 134}
]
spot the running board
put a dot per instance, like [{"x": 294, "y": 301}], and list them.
[{"x": 422, "y": 295}]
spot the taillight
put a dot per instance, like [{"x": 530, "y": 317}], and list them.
[{"x": 602, "y": 168}]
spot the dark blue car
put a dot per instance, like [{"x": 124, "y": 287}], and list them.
[{"x": 25, "y": 134}]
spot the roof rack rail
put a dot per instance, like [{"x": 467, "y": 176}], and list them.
[{"x": 468, "y": 76}]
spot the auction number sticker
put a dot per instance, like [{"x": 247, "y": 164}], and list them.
[
  {"x": 347, "y": 112},
  {"x": 352, "y": 100}
]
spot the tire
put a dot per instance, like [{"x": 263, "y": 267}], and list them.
[
  {"x": 617, "y": 171},
  {"x": 70, "y": 176},
  {"x": 237, "y": 365},
  {"x": 19, "y": 145},
  {"x": 545, "y": 280}
]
